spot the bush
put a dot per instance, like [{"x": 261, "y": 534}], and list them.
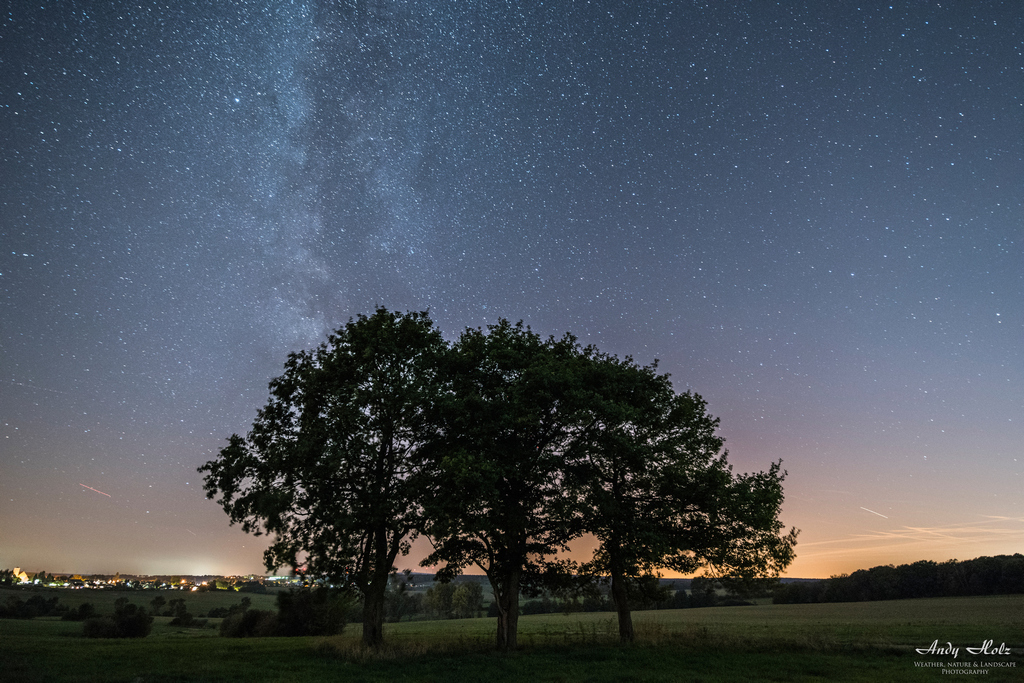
[
  {"x": 222, "y": 612},
  {"x": 35, "y": 606},
  {"x": 188, "y": 621},
  {"x": 84, "y": 611},
  {"x": 702, "y": 593},
  {"x": 100, "y": 627},
  {"x": 734, "y": 602},
  {"x": 544, "y": 605},
  {"x": 596, "y": 603},
  {"x": 253, "y": 623},
  {"x": 132, "y": 620},
  {"x": 468, "y": 600},
  {"x": 128, "y": 621},
  {"x": 646, "y": 592},
  {"x": 251, "y": 587},
  {"x": 316, "y": 612},
  {"x": 313, "y": 612},
  {"x": 438, "y": 600},
  {"x": 182, "y": 617},
  {"x": 399, "y": 601}
]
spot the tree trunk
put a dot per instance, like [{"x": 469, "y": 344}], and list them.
[
  {"x": 621, "y": 600},
  {"x": 385, "y": 550},
  {"x": 506, "y": 596},
  {"x": 373, "y": 616}
]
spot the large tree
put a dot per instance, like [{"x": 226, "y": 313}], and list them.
[
  {"x": 498, "y": 495},
  {"x": 655, "y": 488},
  {"x": 332, "y": 465}
]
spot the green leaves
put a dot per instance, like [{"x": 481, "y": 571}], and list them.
[
  {"x": 502, "y": 447},
  {"x": 332, "y": 465}
]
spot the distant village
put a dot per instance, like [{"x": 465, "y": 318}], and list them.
[{"x": 250, "y": 583}]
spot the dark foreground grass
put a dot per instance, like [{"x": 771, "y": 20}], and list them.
[{"x": 852, "y": 642}]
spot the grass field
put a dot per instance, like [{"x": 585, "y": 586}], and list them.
[{"x": 833, "y": 642}]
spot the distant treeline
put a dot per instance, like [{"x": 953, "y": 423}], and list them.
[
  {"x": 999, "y": 575},
  {"x": 464, "y": 598},
  {"x": 649, "y": 594}
]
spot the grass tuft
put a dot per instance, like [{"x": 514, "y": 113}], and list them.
[{"x": 352, "y": 650}]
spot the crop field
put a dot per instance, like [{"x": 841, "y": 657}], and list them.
[{"x": 871, "y": 641}]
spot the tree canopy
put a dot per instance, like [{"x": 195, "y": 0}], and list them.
[
  {"x": 654, "y": 485},
  {"x": 505, "y": 425},
  {"x": 332, "y": 465},
  {"x": 501, "y": 447}
]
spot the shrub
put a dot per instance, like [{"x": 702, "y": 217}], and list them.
[
  {"x": 188, "y": 621},
  {"x": 128, "y": 621},
  {"x": 35, "y": 606},
  {"x": 253, "y": 623},
  {"x": 182, "y": 617},
  {"x": 83, "y": 612},
  {"x": 702, "y": 592},
  {"x": 316, "y": 612},
  {"x": 438, "y": 600},
  {"x": 158, "y": 604},
  {"x": 100, "y": 627},
  {"x": 222, "y": 612},
  {"x": 399, "y": 601},
  {"x": 251, "y": 587},
  {"x": 312, "y": 612},
  {"x": 542, "y": 606},
  {"x": 596, "y": 603},
  {"x": 133, "y": 622},
  {"x": 468, "y": 600}
]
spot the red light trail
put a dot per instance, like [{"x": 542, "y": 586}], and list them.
[{"x": 97, "y": 491}]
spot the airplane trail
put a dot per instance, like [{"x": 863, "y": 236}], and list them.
[
  {"x": 874, "y": 513},
  {"x": 32, "y": 386},
  {"x": 96, "y": 490}
]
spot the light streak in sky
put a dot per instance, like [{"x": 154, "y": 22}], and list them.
[
  {"x": 97, "y": 491},
  {"x": 874, "y": 513},
  {"x": 30, "y": 386}
]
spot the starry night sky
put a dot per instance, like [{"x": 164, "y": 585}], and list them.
[{"x": 810, "y": 213}]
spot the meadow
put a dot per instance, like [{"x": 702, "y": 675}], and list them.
[{"x": 870, "y": 641}]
